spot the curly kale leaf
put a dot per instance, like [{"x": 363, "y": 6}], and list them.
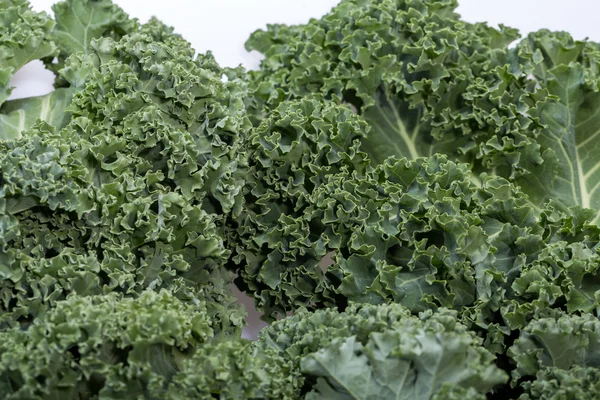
[
  {"x": 25, "y": 35},
  {"x": 382, "y": 351},
  {"x": 559, "y": 384},
  {"x": 131, "y": 193},
  {"x": 425, "y": 81},
  {"x": 278, "y": 243},
  {"x": 78, "y": 22},
  {"x": 103, "y": 346},
  {"x": 556, "y": 340},
  {"x": 234, "y": 369},
  {"x": 442, "y": 239},
  {"x": 423, "y": 233}
]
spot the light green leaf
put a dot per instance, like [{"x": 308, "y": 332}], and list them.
[
  {"x": 397, "y": 130},
  {"x": 80, "y": 21},
  {"x": 560, "y": 384},
  {"x": 19, "y": 115},
  {"x": 570, "y": 174},
  {"x": 557, "y": 341},
  {"x": 398, "y": 365}
]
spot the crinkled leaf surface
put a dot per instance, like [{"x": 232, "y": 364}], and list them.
[
  {"x": 234, "y": 369},
  {"x": 425, "y": 81},
  {"x": 25, "y": 36},
  {"x": 572, "y": 384},
  {"x": 559, "y": 341},
  {"x": 123, "y": 197},
  {"x": 370, "y": 352},
  {"x": 102, "y": 346}
]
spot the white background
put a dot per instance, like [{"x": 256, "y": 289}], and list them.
[{"x": 224, "y": 25}]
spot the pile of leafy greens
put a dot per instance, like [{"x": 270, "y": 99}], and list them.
[{"x": 411, "y": 200}]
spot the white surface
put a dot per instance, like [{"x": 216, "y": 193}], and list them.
[
  {"x": 578, "y": 17},
  {"x": 224, "y": 25}
]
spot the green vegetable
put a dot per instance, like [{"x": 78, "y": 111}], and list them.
[
  {"x": 425, "y": 81},
  {"x": 555, "y": 383},
  {"x": 234, "y": 369},
  {"x": 279, "y": 240},
  {"x": 429, "y": 83},
  {"x": 411, "y": 200},
  {"x": 382, "y": 352},
  {"x": 105, "y": 346},
  {"x": 124, "y": 196},
  {"x": 24, "y": 36},
  {"x": 568, "y": 70}
]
